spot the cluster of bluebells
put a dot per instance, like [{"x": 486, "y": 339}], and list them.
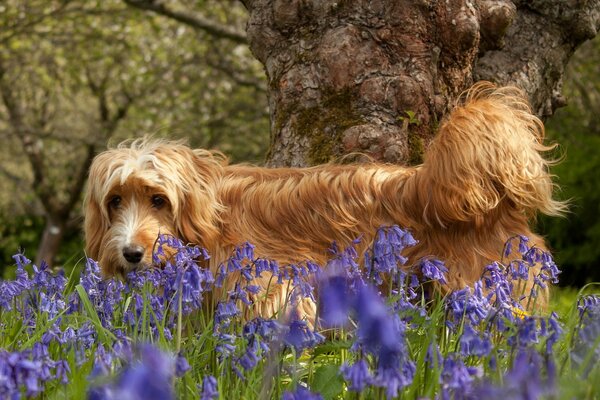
[
  {"x": 586, "y": 352},
  {"x": 489, "y": 321},
  {"x": 378, "y": 303},
  {"x": 147, "y": 373}
]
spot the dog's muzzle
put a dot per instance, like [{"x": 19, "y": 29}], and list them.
[{"x": 133, "y": 253}]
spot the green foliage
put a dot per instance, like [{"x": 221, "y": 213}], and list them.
[{"x": 575, "y": 238}]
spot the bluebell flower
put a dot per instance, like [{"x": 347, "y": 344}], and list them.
[
  {"x": 62, "y": 371},
  {"x": 225, "y": 311},
  {"x": 300, "y": 336},
  {"x": 51, "y": 304},
  {"x": 357, "y": 374},
  {"x": 181, "y": 366},
  {"x": 335, "y": 300},
  {"x": 226, "y": 344},
  {"x": 553, "y": 332},
  {"x": 470, "y": 303},
  {"x": 456, "y": 378},
  {"x": 525, "y": 380},
  {"x": 301, "y": 393},
  {"x": 473, "y": 344},
  {"x": 20, "y": 370},
  {"x": 527, "y": 332},
  {"x": 376, "y": 328},
  {"x": 395, "y": 370},
  {"x": 434, "y": 270},
  {"x": 586, "y": 351},
  {"x": 148, "y": 377},
  {"x": 251, "y": 356},
  {"x": 385, "y": 256},
  {"x": 209, "y": 388},
  {"x": 382, "y": 335}
]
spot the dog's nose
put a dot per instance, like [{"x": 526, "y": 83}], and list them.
[{"x": 133, "y": 253}]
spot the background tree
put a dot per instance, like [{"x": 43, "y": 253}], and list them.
[{"x": 74, "y": 74}]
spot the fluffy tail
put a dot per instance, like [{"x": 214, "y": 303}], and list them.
[{"x": 488, "y": 151}]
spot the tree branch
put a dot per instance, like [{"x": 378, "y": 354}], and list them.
[{"x": 196, "y": 21}]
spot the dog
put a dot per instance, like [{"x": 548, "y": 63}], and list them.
[{"x": 483, "y": 178}]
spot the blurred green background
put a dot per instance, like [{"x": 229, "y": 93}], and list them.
[{"x": 75, "y": 75}]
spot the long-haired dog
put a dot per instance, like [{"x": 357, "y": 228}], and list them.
[{"x": 483, "y": 178}]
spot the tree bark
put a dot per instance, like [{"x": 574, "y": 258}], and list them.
[{"x": 375, "y": 77}]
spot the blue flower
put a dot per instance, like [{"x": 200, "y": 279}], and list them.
[
  {"x": 181, "y": 366},
  {"x": 525, "y": 380},
  {"x": 335, "y": 300},
  {"x": 472, "y": 344},
  {"x": 225, "y": 312},
  {"x": 301, "y": 393},
  {"x": 357, "y": 374},
  {"x": 300, "y": 336},
  {"x": 456, "y": 378},
  {"x": 386, "y": 253},
  {"x": 209, "y": 388},
  {"x": 382, "y": 335},
  {"x": 148, "y": 377},
  {"x": 434, "y": 270},
  {"x": 586, "y": 351}
]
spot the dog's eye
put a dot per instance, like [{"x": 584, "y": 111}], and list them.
[
  {"x": 114, "y": 202},
  {"x": 158, "y": 201}
]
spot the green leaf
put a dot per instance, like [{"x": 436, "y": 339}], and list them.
[
  {"x": 327, "y": 381},
  {"x": 103, "y": 333}
]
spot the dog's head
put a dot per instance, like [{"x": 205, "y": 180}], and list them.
[{"x": 145, "y": 188}]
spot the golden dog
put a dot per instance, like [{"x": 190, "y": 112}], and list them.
[{"x": 483, "y": 178}]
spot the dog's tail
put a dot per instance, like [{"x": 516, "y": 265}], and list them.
[{"x": 488, "y": 151}]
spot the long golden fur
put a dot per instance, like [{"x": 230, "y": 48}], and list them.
[{"x": 483, "y": 178}]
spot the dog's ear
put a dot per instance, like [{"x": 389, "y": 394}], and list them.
[
  {"x": 193, "y": 188},
  {"x": 95, "y": 220},
  {"x": 488, "y": 151}
]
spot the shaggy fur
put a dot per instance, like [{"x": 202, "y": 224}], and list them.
[{"x": 483, "y": 177}]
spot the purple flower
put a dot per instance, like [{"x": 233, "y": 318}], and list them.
[
  {"x": 377, "y": 330},
  {"x": 525, "y": 380},
  {"x": 181, "y": 366},
  {"x": 527, "y": 332},
  {"x": 301, "y": 393},
  {"x": 335, "y": 300},
  {"x": 148, "y": 377},
  {"x": 301, "y": 337},
  {"x": 382, "y": 335},
  {"x": 357, "y": 374},
  {"x": 434, "y": 270},
  {"x": 472, "y": 344},
  {"x": 209, "y": 388},
  {"x": 586, "y": 350},
  {"x": 386, "y": 253},
  {"x": 456, "y": 378},
  {"x": 225, "y": 312}
]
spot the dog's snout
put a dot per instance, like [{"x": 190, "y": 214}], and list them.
[{"x": 133, "y": 253}]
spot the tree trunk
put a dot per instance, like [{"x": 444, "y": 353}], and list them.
[
  {"x": 54, "y": 231},
  {"x": 375, "y": 77}
]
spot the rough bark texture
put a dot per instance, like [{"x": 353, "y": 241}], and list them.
[
  {"x": 538, "y": 45},
  {"x": 375, "y": 77}
]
